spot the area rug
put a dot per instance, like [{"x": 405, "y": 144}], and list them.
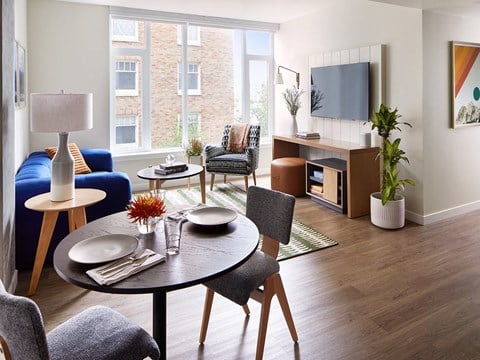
[{"x": 303, "y": 239}]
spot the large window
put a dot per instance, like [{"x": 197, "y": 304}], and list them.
[{"x": 227, "y": 77}]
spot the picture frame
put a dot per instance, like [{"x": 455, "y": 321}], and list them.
[
  {"x": 19, "y": 55},
  {"x": 465, "y": 84}
]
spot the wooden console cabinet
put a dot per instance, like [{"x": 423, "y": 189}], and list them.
[{"x": 362, "y": 167}]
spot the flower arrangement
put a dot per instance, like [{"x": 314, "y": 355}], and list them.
[
  {"x": 143, "y": 207},
  {"x": 292, "y": 99},
  {"x": 194, "y": 147}
]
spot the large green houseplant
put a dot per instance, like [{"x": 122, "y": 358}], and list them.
[{"x": 384, "y": 122}]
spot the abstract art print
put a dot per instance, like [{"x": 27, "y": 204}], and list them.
[{"x": 465, "y": 84}]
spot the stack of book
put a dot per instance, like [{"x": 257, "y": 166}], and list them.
[
  {"x": 316, "y": 189},
  {"x": 308, "y": 135},
  {"x": 166, "y": 169}
]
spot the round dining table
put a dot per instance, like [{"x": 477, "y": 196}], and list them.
[{"x": 206, "y": 252}]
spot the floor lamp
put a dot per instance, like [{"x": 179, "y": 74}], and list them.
[{"x": 61, "y": 113}]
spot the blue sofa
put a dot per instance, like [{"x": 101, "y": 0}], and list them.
[{"x": 33, "y": 178}]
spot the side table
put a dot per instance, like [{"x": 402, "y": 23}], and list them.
[{"x": 51, "y": 209}]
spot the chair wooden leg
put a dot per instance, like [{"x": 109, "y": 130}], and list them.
[
  {"x": 207, "y": 307},
  {"x": 254, "y": 178},
  {"x": 212, "y": 180},
  {"x": 224, "y": 179},
  {"x": 268, "y": 292},
  {"x": 282, "y": 299},
  {"x": 246, "y": 182},
  {"x": 246, "y": 309}
]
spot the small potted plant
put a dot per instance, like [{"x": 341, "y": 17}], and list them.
[
  {"x": 145, "y": 210},
  {"x": 387, "y": 208},
  {"x": 292, "y": 100},
  {"x": 194, "y": 147}
]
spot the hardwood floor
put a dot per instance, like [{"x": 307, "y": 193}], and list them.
[{"x": 407, "y": 294}]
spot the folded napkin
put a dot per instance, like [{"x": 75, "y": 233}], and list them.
[{"x": 122, "y": 268}]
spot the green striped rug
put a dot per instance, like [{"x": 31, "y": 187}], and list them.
[{"x": 303, "y": 240}]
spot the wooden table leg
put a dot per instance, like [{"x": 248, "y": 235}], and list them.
[
  {"x": 46, "y": 231},
  {"x": 76, "y": 218},
  {"x": 160, "y": 321},
  {"x": 202, "y": 186}
]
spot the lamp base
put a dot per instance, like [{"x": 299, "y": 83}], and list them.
[{"x": 62, "y": 186}]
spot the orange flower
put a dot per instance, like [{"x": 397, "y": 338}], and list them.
[{"x": 144, "y": 206}]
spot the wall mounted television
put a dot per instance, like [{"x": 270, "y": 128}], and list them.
[{"x": 341, "y": 91}]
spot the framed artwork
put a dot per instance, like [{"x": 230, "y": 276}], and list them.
[
  {"x": 19, "y": 76},
  {"x": 465, "y": 74}
]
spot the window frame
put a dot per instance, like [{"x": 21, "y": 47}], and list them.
[
  {"x": 127, "y": 92},
  {"x": 137, "y": 132},
  {"x": 196, "y": 91},
  {"x": 126, "y": 38}
]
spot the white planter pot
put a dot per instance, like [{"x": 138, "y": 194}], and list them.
[{"x": 388, "y": 216}]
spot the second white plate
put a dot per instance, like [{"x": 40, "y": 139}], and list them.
[
  {"x": 103, "y": 248},
  {"x": 211, "y": 215}
]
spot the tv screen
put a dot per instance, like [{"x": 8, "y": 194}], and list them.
[{"x": 341, "y": 91}]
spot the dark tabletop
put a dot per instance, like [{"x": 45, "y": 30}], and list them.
[
  {"x": 205, "y": 252},
  {"x": 149, "y": 173}
]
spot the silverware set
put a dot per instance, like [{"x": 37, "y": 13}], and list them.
[{"x": 120, "y": 265}]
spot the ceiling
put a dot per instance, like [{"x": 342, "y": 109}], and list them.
[{"x": 277, "y": 11}]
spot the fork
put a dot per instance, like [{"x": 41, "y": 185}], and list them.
[
  {"x": 133, "y": 264},
  {"x": 122, "y": 263}
]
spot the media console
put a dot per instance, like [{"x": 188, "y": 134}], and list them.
[{"x": 362, "y": 167}]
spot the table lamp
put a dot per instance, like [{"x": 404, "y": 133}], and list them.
[{"x": 61, "y": 113}]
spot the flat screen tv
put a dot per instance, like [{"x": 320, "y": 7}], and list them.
[{"x": 341, "y": 91}]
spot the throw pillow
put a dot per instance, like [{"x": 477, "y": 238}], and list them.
[{"x": 81, "y": 166}]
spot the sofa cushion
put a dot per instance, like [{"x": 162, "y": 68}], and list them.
[{"x": 81, "y": 166}]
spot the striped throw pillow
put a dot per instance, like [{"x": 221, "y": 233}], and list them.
[{"x": 81, "y": 166}]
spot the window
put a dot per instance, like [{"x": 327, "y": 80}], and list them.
[
  {"x": 193, "y": 35},
  {"x": 193, "y": 79},
  {"x": 124, "y": 30},
  {"x": 126, "y": 80},
  {"x": 126, "y": 130},
  {"x": 228, "y": 79}
]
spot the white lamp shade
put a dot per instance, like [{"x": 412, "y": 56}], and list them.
[
  {"x": 279, "y": 78},
  {"x": 61, "y": 112}
]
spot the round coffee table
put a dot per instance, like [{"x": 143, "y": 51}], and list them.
[{"x": 156, "y": 180}]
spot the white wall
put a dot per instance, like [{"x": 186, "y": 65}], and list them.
[
  {"x": 69, "y": 50},
  {"x": 452, "y": 162},
  {"x": 343, "y": 26},
  {"x": 22, "y": 128}
]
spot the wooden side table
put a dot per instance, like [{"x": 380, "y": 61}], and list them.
[{"x": 51, "y": 209}]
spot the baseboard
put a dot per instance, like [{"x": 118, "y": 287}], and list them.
[{"x": 442, "y": 215}]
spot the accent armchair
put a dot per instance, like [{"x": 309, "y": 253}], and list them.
[
  {"x": 218, "y": 160},
  {"x": 98, "y": 333}
]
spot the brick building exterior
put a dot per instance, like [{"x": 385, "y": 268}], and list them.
[{"x": 212, "y": 105}]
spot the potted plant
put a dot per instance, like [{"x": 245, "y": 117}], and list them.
[
  {"x": 194, "y": 150},
  {"x": 387, "y": 208},
  {"x": 292, "y": 99},
  {"x": 145, "y": 210}
]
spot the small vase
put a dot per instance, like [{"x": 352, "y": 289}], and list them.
[
  {"x": 148, "y": 225},
  {"x": 295, "y": 126}
]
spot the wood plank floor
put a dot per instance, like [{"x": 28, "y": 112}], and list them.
[{"x": 407, "y": 294}]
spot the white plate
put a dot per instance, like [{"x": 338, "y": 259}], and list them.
[
  {"x": 211, "y": 215},
  {"x": 103, "y": 248}
]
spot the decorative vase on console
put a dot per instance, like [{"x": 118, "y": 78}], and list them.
[{"x": 292, "y": 100}]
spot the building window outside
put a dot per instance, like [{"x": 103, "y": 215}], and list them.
[
  {"x": 126, "y": 78},
  {"x": 193, "y": 35},
  {"x": 124, "y": 30},
  {"x": 193, "y": 79},
  {"x": 126, "y": 130}
]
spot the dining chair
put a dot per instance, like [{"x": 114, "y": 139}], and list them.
[
  {"x": 98, "y": 333},
  {"x": 272, "y": 213},
  {"x": 219, "y": 160}
]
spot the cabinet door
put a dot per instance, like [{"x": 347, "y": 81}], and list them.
[{"x": 330, "y": 185}]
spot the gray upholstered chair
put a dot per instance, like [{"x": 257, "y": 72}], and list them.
[
  {"x": 272, "y": 212},
  {"x": 219, "y": 161},
  {"x": 98, "y": 333}
]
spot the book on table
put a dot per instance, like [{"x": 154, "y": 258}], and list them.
[
  {"x": 307, "y": 135},
  {"x": 166, "y": 169}
]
